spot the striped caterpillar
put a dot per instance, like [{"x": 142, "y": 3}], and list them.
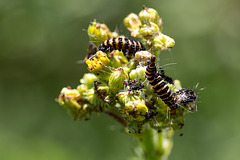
[
  {"x": 128, "y": 46},
  {"x": 160, "y": 86}
]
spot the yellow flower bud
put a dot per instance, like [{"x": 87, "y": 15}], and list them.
[
  {"x": 148, "y": 15},
  {"x": 98, "y": 33},
  {"x": 100, "y": 65},
  {"x": 133, "y": 23}
]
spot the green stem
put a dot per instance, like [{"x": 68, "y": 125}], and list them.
[{"x": 156, "y": 145}]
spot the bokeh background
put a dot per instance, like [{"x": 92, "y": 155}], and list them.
[{"x": 42, "y": 41}]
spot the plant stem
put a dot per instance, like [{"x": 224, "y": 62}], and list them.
[{"x": 156, "y": 145}]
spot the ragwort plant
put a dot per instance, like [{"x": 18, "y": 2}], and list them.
[{"x": 125, "y": 82}]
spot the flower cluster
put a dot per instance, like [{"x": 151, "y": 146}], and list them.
[
  {"x": 117, "y": 84},
  {"x": 147, "y": 26}
]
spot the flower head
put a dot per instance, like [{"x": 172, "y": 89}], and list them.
[
  {"x": 100, "y": 65},
  {"x": 118, "y": 84}
]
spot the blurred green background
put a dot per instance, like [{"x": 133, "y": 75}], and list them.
[{"x": 41, "y": 42}]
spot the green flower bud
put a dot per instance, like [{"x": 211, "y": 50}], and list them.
[
  {"x": 125, "y": 97},
  {"x": 88, "y": 80},
  {"x": 118, "y": 59},
  {"x": 163, "y": 42},
  {"x": 91, "y": 97},
  {"x": 116, "y": 79},
  {"x": 71, "y": 100},
  {"x": 149, "y": 31},
  {"x": 100, "y": 65},
  {"x": 82, "y": 89},
  {"x": 98, "y": 33},
  {"x": 136, "y": 110},
  {"x": 69, "y": 97},
  {"x": 94, "y": 100},
  {"x": 138, "y": 73},
  {"x": 148, "y": 15},
  {"x": 133, "y": 23}
]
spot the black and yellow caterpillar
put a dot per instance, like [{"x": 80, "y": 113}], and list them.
[
  {"x": 127, "y": 46},
  {"x": 160, "y": 86}
]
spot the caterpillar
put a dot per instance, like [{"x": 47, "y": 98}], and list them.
[
  {"x": 160, "y": 86},
  {"x": 128, "y": 46}
]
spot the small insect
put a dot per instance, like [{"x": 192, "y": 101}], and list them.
[
  {"x": 151, "y": 115},
  {"x": 128, "y": 46},
  {"x": 134, "y": 85},
  {"x": 160, "y": 86}
]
